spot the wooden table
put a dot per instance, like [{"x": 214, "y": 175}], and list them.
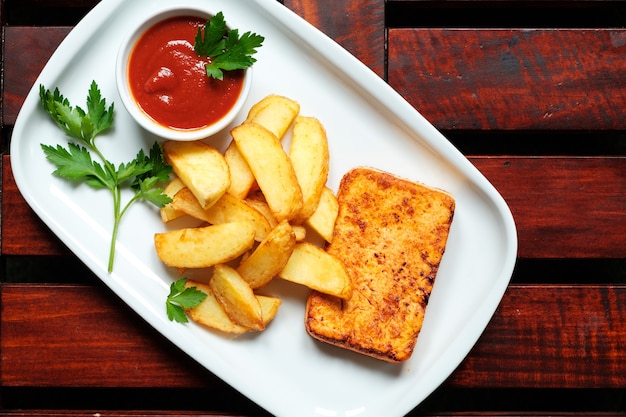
[{"x": 533, "y": 92}]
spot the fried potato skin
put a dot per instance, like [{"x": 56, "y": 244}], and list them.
[
  {"x": 168, "y": 212},
  {"x": 269, "y": 307},
  {"x": 310, "y": 158},
  {"x": 203, "y": 247},
  {"x": 241, "y": 178},
  {"x": 210, "y": 312},
  {"x": 200, "y": 167},
  {"x": 274, "y": 112},
  {"x": 236, "y": 297},
  {"x": 272, "y": 169},
  {"x": 270, "y": 257},
  {"x": 225, "y": 210},
  {"x": 311, "y": 266},
  {"x": 323, "y": 219}
]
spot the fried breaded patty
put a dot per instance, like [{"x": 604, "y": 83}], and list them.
[{"x": 390, "y": 234}]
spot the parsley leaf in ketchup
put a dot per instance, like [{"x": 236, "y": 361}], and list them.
[{"x": 224, "y": 48}]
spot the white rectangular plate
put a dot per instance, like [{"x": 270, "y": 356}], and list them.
[{"x": 282, "y": 369}]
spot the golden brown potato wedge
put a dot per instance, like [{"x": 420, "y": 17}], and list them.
[
  {"x": 261, "y": 206},
  {"x": 299, "y": 231},
  {"x": 184, "y": 201},
  {"x": 203, "y": 247},
  {"x": 272, "y": 169},
  {"x": 323, "y": 219},
  {"x": 310, "y": 158},
  {"x": 226, "y": 210},
  {"x": 168, "y": 212},
  {"x": 313, "y": 267},
  {"x": 269, "y": 307},
  {"x": 211, "y": 313},
  {"x": 236, "y": 297},
  {"x": 202, "y": 168},
  {"x": 241, "y": 178},
  {"x": 275, "y": 113},
  {"x": 270, "y": 257},
  {"x": 229, "y": 208}
]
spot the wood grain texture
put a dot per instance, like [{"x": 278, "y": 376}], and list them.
[
  {"x": 540, "y": 336},
  {"x": 21, "y": 71},
  {"x": 77, "y": 336},
  {"x": 114, "y": 413},
  {"x": 357, "y": 25},
  {"x": 546, "y": 336},
  {"x": 564, "y": 207},
  {"x": 512, "y": 79},
  {"x": 23, "y": 233}
]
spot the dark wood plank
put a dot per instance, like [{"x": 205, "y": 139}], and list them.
[
  {"x": 357, "y": 25},
  {"x": 515, "y": 79},
  {"x": 115, "y": 413},
  {"x": 81, "y": 336},
  {"x": 552, "y": 337},
  {"x": 86, "y": 337},
  {"x": 57, "y": 4},
  {"x": 45, "y": 12},
  {"x": 29, "y": 49},
  {"x": 563, "y": 207},
  {"x": 109, "y": 413},
  {"x": 23, "y": 233}
]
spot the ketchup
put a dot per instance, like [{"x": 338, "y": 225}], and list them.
[{"x": 169, "y": 81}]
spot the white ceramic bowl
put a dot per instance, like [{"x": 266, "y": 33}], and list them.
[{"x": 133, "y": 107}]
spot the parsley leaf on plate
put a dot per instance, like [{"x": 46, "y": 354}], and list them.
[
  {"x": 76, "y": 162},
  {"x": 225, "y": 49},
  {"x": 181, "y": 298}
]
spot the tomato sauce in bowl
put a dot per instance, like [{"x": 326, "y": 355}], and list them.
[
  {"x": 164, "y": 84},
  {"x": 169, "y": 80}
]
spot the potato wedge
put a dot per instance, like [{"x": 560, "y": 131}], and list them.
[
  {"x": 211, "y": 313},
  {"x": 236, "y": 297},
  {"x": 226, "y": 210},
  {"x": 203, "y": 247},
  {"x": 310, "y": 158},
  {"x": 270, "y": 257},
  {"x": 168, "y": 212},
  {"x": 272, "y": 169},
  {"x": 241, "y": 178},
  {"x": 275, "y": 113},
  {"x": 269, "y": 307},
  {"x": 322, "y": 221},
  {"x": 202, "y": 168},
  {"x": 313, "y": 267},
  {"x": 184, "y": 201},
  {"x": 262, "y": 207},
  {"x": 229, "y": 208},
  {"x": 299, "y": 231}
]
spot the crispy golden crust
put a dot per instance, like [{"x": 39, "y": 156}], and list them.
[{"x": 390, "y": 234}]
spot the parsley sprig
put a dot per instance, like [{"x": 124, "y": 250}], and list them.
[
  {"x": 75, "y": 162},
  {"x": 181, "y": 298},
  {"x": 225, "y": 49}
]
